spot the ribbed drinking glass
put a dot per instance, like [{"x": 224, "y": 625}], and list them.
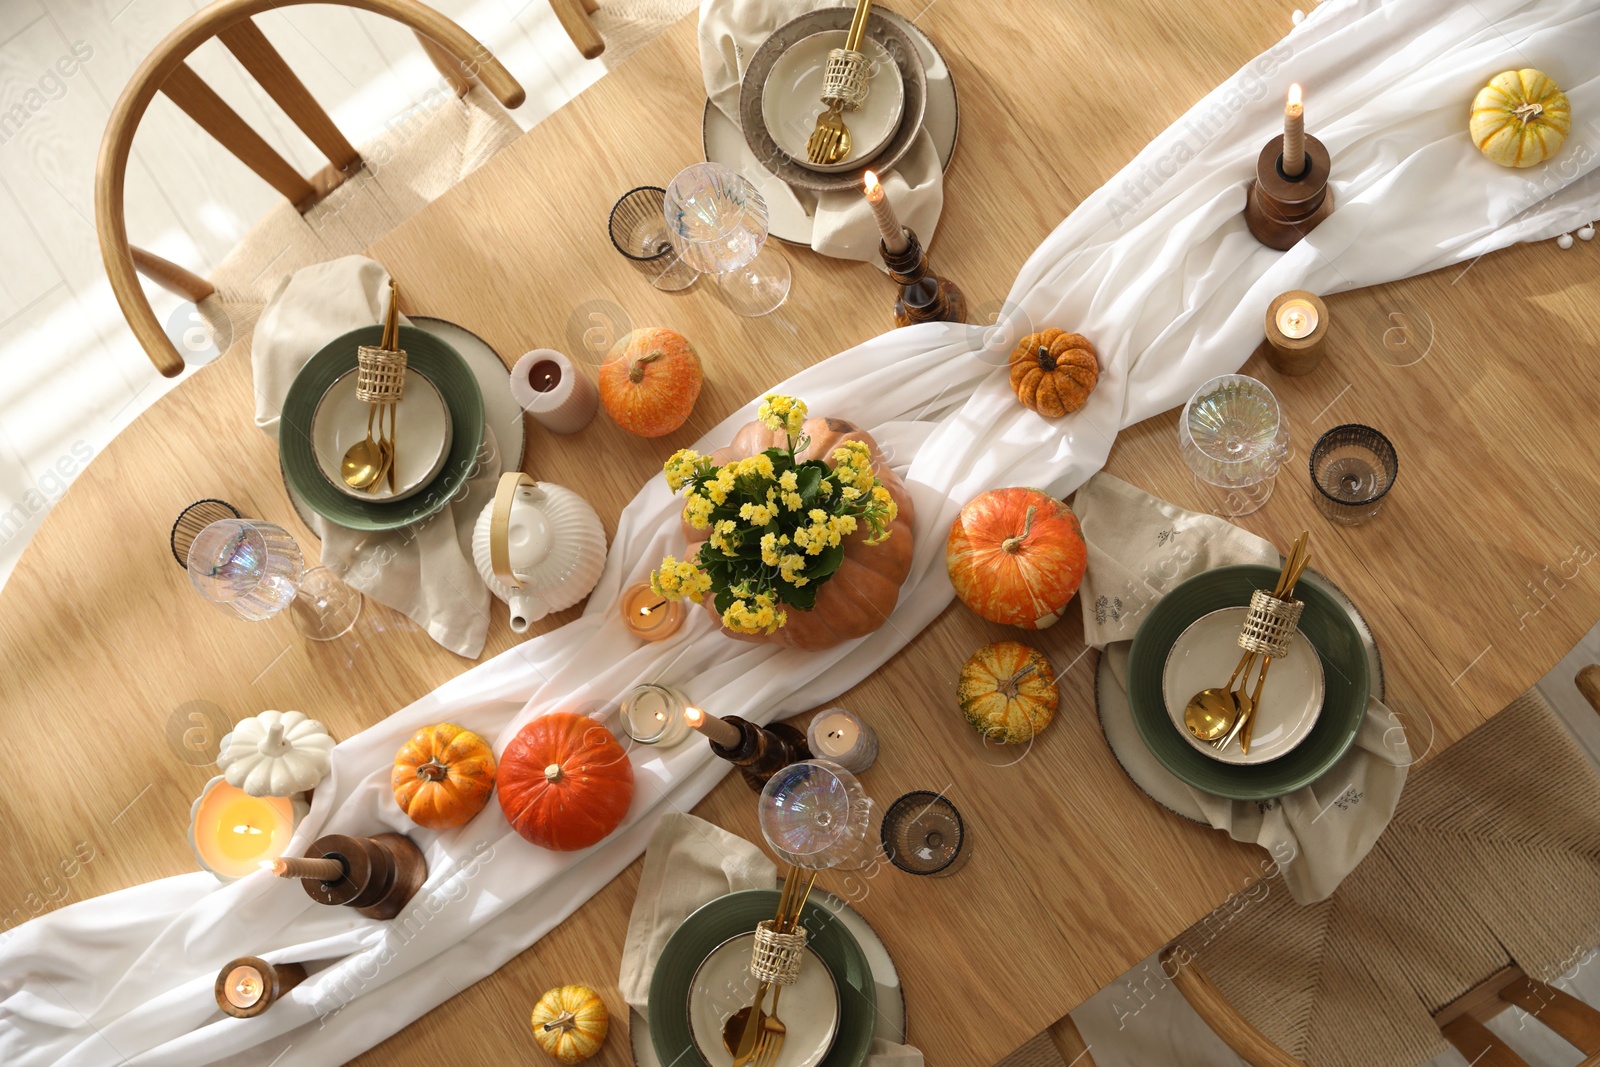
[
  {"x": 816, "y": 815},
  {"x": 1234, "y": 436},
  {"x": 250, "y": 568}
]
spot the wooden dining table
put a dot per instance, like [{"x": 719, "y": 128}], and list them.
[{"x": 1477, "y": 576}]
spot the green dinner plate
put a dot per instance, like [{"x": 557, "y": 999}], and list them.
[
  {"x": 456, "y": 383},
  {"x": 738, "y": 913},
  {"x": 1344, "y": 665}
]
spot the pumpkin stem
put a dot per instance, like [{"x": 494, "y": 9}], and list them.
[
  {"x": 1009, "y": 688},
  {"x": 636, "y": 369},
  {"x": 272, "y": 744},
  {"x": 1013, "y": 545},
  {"x": 433, "y": 771},
  {"x": 563, "y": 1022},
  {"x": 1528, "y": 111},
  {"x": 552, "y": 773},
  {"x": 1047, "y": 362}
]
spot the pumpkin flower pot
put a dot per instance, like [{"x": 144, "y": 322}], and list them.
[{"x": 798, "y": 532}]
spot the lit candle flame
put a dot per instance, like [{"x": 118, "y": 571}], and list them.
[
  {"x": 652, "y": 607},
  {"x": 1294, "y": 106},
  {"x": 873, "y": 186},
  {"x": 695, "y": 716},
  {"x": 247, "y": 829},
  {"x": 248, "y": 986}
]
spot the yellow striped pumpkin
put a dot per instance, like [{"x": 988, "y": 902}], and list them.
[{"x": 1520, "y": 119}]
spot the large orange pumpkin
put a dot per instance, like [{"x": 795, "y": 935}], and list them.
[
  {"x": 864, "y": 590},
  {"x": 1016, "y": 556},
  {"x": 650, "y": 381},
  {"x": 565, "y": 783},
  {"x": 443, "y": 776}
]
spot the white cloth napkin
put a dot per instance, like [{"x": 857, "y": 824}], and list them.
[
  {"x": 730, "y": 33},
  {"x": 425, "y": 571},
  {"x": 689, "y": 862},
  {"x": 1171, "y": 289},
  {"x": 1139, "y": 548}
]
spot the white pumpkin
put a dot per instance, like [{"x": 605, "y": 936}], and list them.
[{"x": 276, "y": 754}]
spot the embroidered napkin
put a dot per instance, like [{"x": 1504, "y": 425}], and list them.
[
  {"x": 730, "y": 33},
  {"x": 1140, "y": 547},
  {"x": 424, "y": 571}
]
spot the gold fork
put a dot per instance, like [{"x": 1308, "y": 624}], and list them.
[
  {"x": 773, "y": 1031},
  {"x": 830, "y": 140},
  {"x": 751, "y": 1034}
]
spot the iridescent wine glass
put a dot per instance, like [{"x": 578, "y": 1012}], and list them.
[
  {"x": 1234, "y": 436},
  {"x": 816, "y": 815},
  {"x": 255, "y": 570},
  {"x": 718, "y": 222}
]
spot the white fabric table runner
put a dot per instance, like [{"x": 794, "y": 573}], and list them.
[{"x": 1158, "y": 270}]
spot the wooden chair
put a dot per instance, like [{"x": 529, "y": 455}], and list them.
[
  {"x": 1461, "y": 1021},
  {"x": 460, "y": 58}
]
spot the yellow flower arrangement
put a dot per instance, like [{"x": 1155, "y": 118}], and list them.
[{"x": 776, "y": 525}]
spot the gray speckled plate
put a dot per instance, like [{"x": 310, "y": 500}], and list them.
[{"x": 785, "y": 166}]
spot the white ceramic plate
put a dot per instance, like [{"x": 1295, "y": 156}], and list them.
[
  {"x": 791, "y": 99},
  {"x": 422, "y": 434},
  {"x": 787, "y": 217},
  {"x": 722, "y": 985},
  {"x": 1291, "y": 699}
]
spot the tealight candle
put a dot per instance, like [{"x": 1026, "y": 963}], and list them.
[
  {"x": 894, "y": 234},
  {"x": 653, "y": 715},
  {"x": 1294, "y": 134},
  {"x": 1296, "y": 328},
  {"x": 248, "y": 986},
  {"x": 548, "y": 387},
  {"x": 232, "y": 832},
  {"x": 841, "y": 736},
  {"x": 650, "y": 615}
]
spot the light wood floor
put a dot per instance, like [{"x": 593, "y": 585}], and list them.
[{"x": 71, "y": 374}]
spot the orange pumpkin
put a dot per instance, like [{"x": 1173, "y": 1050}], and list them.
[
  {"x": 565, "y": 783},
  {"x": 1053, "y": 372},
  {"x": 864, "y": 590},
  {"x": 443, "y": 776},
  {"x": 650, "y": 381},
  {"x": 1016, "y": 556}
]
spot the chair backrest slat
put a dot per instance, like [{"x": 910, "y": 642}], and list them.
[
  {"x": 251, "y": 47},
  {"x": 451, "y": 69},
  {"x": 201, "y": 103}
]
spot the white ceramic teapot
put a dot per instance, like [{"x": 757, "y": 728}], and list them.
[{"x": 539, "y": 547}]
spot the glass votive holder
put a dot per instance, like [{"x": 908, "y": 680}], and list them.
[
  {"x": 653, "y": 715},
  {"x": 923, "y": 833},
  {"x": 1353, "y": 467},
  {"x": 638, "y": 228}
]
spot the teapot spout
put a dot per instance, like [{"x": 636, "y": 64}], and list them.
[{"x": 525, "y": 609}]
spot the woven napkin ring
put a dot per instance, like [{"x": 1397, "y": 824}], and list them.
[
  {"x": 845, "y": 78},
  {"x": 1270, "y": 626},
  {"x": 776, "y": 957},
  {"x": 381, "y": 375}
]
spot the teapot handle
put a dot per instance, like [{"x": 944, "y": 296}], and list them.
[{"x": 499, "y": 523}]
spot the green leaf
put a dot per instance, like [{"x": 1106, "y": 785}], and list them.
[
  {"x": 820, "y": 567},
  {"x": 804, "y": 598},
  {"x": 809, "y": 476}
]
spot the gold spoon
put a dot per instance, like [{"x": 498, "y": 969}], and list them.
[
  {"x": 1212, "y": 712},
  {"x": 364, "y": 463}
]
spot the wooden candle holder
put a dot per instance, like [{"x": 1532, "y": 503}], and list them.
[
  {"x": 1294, "y": 356},
  {"x": 924, "y": 295},
  {"x": 762, "y": 751},
  {"x": 377, "y": 876},
  {"x": 276, "y": 980},
  {"x": 1279, "y": 209}
]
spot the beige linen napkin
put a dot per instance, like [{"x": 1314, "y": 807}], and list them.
[
  {"x": 1140, "y": 547},
  {"x": 424, "y": 571},
  {"x": 730, "y": 33},
  {"x": 689, "y": 862}
]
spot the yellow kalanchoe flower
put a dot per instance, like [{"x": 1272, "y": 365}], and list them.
[
  {"x": 757, "y": 615},
  {"x": 680, "y": 467},
  {"x": 769, "y": 549},
  {"x": 697, "y": 511},
  {"x": 675, "y": 580},
  {"x": 755, "y": 514},
  {"x": 778, "y": 412},
  {"x": 791, "y": 570},
  {"x": 719, "y": 537}
]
